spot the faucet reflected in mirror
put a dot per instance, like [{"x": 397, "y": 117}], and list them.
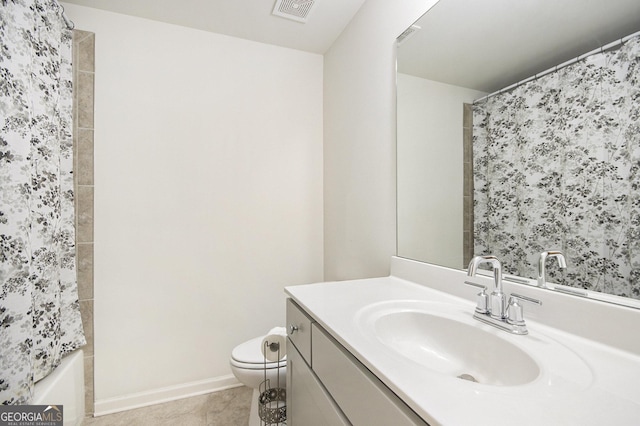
[{"x": 542, "y": 273}]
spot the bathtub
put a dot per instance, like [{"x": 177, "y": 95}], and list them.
[{"x": 64, "y": 386}]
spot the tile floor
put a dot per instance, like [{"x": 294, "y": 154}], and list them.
[{"x": 225, "y": 408}]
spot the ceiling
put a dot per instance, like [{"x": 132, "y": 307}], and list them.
[
  {"x": 489, "y": 45},
  {"x": 483, "y": 45},
  {"x": 247, "y": 19}
]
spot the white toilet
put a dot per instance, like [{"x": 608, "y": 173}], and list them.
[{"x": 248, "y": 365}]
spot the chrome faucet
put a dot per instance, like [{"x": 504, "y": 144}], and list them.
[
  {"x": 542, "y": 279},
  {"x": 493, "y": 312},
  {"x": 497, "y": 298}
]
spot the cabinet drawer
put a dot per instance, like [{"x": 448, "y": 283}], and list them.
[
  {"x": 363, "y": 398},
  {"x": 299, "y": 329},
  {"x": 308, "y": 403}
]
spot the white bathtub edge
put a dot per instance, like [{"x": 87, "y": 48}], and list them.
[
  {"x": 64, "y": 386},
  {"x": 170, "y": 393}
]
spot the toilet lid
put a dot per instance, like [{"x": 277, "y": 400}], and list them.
[{"x": 249, "y": 352}]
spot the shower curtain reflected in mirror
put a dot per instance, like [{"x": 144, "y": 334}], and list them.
[
  {"x": 557, "y": 166},
  {"x": 39, "y": 309}
]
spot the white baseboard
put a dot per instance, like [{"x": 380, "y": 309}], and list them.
[{"x": 158, "y": 396}]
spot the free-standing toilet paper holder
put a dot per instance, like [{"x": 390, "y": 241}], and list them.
[{"x": 272, "y": 405}]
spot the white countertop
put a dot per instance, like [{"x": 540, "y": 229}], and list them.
[{"x": 590, "y": 384}]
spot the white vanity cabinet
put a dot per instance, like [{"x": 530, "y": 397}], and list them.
[{"x": 328, "y": 386}]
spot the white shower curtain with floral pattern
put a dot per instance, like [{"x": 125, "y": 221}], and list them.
[
  {"x": 39, "y": 309},
  {"x": 557, "y": 166}
]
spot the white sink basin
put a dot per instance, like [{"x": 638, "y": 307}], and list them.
[
  {"x": 445, "y": 339},
  {"x": 454, "y": 348}
]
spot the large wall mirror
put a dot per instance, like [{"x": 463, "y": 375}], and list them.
[{"x": 459, "y": 67}]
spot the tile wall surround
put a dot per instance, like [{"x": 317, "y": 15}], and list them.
[
  {"x": 467, "y": 192},
  {"x": 83, "y": 95}
]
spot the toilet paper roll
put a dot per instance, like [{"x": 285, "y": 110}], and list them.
[{"x": 274, "y": 340}]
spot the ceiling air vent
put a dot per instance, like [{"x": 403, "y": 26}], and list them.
[
  {"x": 297, "y": 10},
  {"x": 408, "y": 33}
]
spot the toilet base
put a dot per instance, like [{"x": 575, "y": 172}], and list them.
[{"x": 254, "y": 418}]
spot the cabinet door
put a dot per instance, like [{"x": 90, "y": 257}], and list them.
[{"x": 308, "y": 404}]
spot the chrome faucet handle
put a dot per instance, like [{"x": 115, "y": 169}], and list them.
[
  {"x": 482, "y": 298},
  {"x": 515, "y": 315}
]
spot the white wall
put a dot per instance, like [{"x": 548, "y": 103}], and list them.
[
  {"x": 430, "y": 169},
  {"x": 208, "y": 196},
  {"x": 359, "y": 140}
]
